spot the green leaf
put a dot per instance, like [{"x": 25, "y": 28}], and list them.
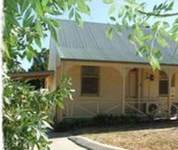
[
  {"x": 108, "y": 1},
  {"x": 24, "y": 4},
  {"x": 82, "y": 7},
  {"x": 46, "y": 124},
  {"x": 39, "y": 27},
  {"x": 162, "y": 41},
  {"x": 109, "y": 33},
  {"x": 154, "y": 62},
  {"x": 118, "y": 28},
  {"x": 71, "y": 13},
  {"x": 78, "y": 19},
  {"x": 174, "y": 29},
  {"x": 131, "y": 37},
  {"x": 143, "y": 49},
  {"x": 28, "y": 21},
  {"x": 30, "y": 52},
  {"x": 39, "y": 8},
  {"x": 137, "y": 40},
  {"x": 159, "y": 6},
  {"x": 38, "y": 133},
  {"x": 112, "y": 18},
  {"x": 139, "y": 32},
  {"x": 44, "y": 2},
  {"x": 157, "y": 53},
  {"x": 27, "y": 13},
  {"x": 60, "y": 104},
  {"x": 7, "y": 100},
  {"x": 121, "y": 12},
  {"x": 38, "y": 42},
  {"x": 147, "y": 37},
  {"x": 170, "y": 6},
  {"x": 125, "y": 23},
  {"x": 112, "y": 8},
  {"x": 7, "y": 116},
  {"x": 166, "y": 24},
  {"x": 155, "y": 8},
  {"x": 70, "y": 96},
  {"x": 6, "y": 52}
]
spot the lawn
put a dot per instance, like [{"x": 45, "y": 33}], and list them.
[{"x": 151, "y": 136}]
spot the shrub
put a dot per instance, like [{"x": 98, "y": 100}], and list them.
[
  {"x": 71, "y": 124},
  {"x": 26, "y": 114},
  {"x": 113, "y": 120},
  {"x": 100, "y": 120}
]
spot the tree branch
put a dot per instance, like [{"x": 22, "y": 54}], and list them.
[{"x": 157, "y": 14}]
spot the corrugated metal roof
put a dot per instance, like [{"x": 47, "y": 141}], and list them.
[{"x": 91, "y": 44}]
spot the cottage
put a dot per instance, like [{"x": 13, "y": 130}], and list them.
[{"x": 108, "y": 76}]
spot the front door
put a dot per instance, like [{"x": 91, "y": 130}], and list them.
[{"x": 133, "y": 83}]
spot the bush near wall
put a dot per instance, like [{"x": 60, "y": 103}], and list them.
[
  {"x": 71, "y": 124},
  {"x": 100, "y": 120}
]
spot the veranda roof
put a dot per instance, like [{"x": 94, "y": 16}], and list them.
[{"x": 30, "y": 75}]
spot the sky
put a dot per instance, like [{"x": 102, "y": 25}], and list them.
[
  {"x": 99, "y": 10},
  {"x": 99, "y": 13}
]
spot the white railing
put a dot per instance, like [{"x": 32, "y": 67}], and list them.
[
  {"x": 139, "y": 106},
  {"x": 90, "y": 109},
  {"x": 134, "y": 106}
]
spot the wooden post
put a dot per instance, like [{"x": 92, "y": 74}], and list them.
[
  {"x": 58, "y": 115},
  {"x": 97, "y": 107},
  {"x": 123, "y": 90},
  {"x": 169, "y": 96},
  {"x": 139, "y": 87}
]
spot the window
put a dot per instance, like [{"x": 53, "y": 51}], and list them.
[
  {"x": 163, "y": 84},
  {"x": 90, "y": 80}
]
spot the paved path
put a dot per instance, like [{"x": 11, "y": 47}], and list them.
[
  {"x": 63, "y": 141},
  {"x": 60, "y": 141}
]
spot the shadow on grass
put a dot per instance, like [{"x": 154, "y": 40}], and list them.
[{"x": 160, "y": 124}]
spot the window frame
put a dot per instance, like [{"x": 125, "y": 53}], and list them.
[
  {"x": 166, "y": 80},
  {"x": 97, "y": 76}
]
